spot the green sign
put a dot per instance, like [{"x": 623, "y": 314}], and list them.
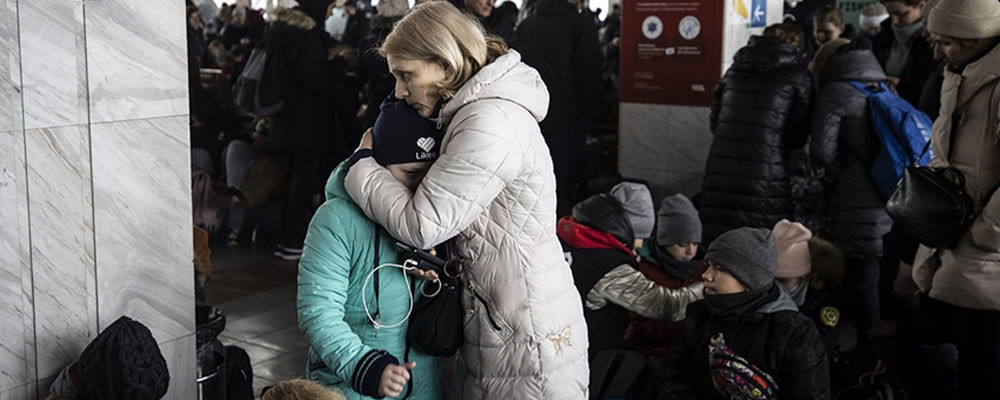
[{"x": 852, "y": 10}]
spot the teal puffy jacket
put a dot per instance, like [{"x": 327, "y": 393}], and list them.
[{"x": 338, "y": 256}]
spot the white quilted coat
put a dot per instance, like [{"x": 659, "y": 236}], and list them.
[{"x": 493, "y": 187}]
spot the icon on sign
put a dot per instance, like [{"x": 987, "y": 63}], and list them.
[
  {"x": 652, "y": 27},
  {"x": 690, "y": 27},
  {"x": 758, "y": 13},
  {"x": 670, "y": 51}
]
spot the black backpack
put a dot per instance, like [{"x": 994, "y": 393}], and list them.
[{"x": 260, "y": 87}]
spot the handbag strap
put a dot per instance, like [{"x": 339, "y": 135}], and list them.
[{"x": 375, "y": 266}]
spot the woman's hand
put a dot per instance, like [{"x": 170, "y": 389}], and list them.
[
  {"x": 394, "y": 379},
  {"x": 366, "y": 140}
]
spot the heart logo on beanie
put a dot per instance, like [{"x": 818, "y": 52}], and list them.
[{"x": 426, "y": 143}]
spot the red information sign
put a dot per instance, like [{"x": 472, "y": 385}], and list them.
[{"x": 671, "y": 51}]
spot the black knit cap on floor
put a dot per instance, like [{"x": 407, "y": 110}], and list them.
[{"x": 123, "y": 362}]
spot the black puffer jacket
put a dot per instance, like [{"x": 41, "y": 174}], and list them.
[
  {"x": 303, "y": 121},
  {"x": 845, "y": 144},
  {"x": 760, "y": 111},
  {"x": 776, "y": 338},
  {"x": 920, "y": 63},
  {"x": 562, "y": 45},
  {"x": 374, "y": 69}
]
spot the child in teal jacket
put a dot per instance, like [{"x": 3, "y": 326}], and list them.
[{"x": 346, "y": 350}]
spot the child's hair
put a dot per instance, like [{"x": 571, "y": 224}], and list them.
[
  {"x": 828, "y": 14},
  {"x": 299, "y": 389},
  {"x": 787, "y": 33}
]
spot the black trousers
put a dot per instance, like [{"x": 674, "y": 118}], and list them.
[
  {"x": 978, "y": 354},
  {"x": 567, "y": 145},
  {"x": 302, "y": 166}
]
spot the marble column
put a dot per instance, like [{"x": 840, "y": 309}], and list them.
[
  {"x": 94, "y": 183},
  {"x": 667, "y": 145},
  {"x": 17, "y": 361}
]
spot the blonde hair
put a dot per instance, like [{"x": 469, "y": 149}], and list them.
[
  {"x": 787, "y": 33},
  {"x": 300, "y": 389},
  {"x": 437, "y": 32},
  {"x": 294, "y": 18}
]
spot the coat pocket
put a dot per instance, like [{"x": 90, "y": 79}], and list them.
[{"x": 490, "y": 319}]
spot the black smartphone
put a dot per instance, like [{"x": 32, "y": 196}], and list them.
[{"x": 425, "y": 260}]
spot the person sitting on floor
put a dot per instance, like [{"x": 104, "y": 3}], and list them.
[
  {"x": 746, "y": 339},
  {"x": 299, "y": 389},
  {"x": 669, "y": 260},
  {"x": 596, "y": 239},
  {"x": 122, "y": 362}
]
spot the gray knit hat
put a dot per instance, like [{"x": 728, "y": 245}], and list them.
[
  {"x": 638, "y": 205},
  {"x": 748, "y": 254},
  {"x": 966, "y": 19},
  {"x": 677, "y": 222}
]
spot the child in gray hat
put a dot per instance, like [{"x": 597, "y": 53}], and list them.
[
  {"x": 638, "y": 205},
  {"x": 668, "y": 260},
  {"x": 758, "y": 342},
  {"x": 596, "y": 240}
]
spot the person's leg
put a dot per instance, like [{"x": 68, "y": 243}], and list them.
[
  {"x": 978, "y": 354},
  {"x": 567, "y": 145},
  {"x": 239, "y": 155},
  {"x": 300, "y": 187},
  {"x": 862, "y": 276}
]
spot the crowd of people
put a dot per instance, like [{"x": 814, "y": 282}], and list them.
[{"x": 460, "y": 128}]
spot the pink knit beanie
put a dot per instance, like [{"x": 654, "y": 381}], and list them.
[{"x": 793, "y": 249}]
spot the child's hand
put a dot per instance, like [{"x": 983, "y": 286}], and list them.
[
  {"x": 394, "y": 379},
  {"x": 427, "y": 275}
]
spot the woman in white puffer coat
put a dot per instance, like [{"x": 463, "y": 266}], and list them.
[{"x": 493, "y": 187}]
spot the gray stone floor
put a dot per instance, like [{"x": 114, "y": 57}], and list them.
[{"x": 257, "y": 293}]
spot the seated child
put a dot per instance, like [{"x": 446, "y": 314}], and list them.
[
  {"x": 669, "y": 261},
  {"x": 746, "y": 339},
  {"x": 357, "y": 339},
  {"x": 597, "y": 239},
  {"x": 638, "y": 205},
  {"x": 122, "y": 362}
]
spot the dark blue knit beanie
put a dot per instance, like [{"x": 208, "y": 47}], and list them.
[{"x": 401, "y": 135}]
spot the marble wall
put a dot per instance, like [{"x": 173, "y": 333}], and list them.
[
  {"x": 94, "y": 183},
  {"x": 666, "y": 145}
]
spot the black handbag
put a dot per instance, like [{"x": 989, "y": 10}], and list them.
[
  {"x": 931, "y": 205},
  {"x": 435, "y": 326}
]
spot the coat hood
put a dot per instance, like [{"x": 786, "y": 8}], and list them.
[
  {"x": 506, "y": 78},
  {"x": 605, "y": 213},
  {"x": 335, "y": 184},
  {"x": 315, "y": 9},
  {"x": 783, "y": 303},
  {"x": 764, "y": 53},
  {"x": 856, "y": 65},
  {"x": 580, "y": 236}
]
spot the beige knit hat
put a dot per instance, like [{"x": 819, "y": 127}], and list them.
[
  {"x": 966, "y": 19},
  {"x": 792, "y": 239}
]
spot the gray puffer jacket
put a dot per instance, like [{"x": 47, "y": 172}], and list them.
[
  {"x": 844, "y": 142},
  {"x": 493, "y": 187}
]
